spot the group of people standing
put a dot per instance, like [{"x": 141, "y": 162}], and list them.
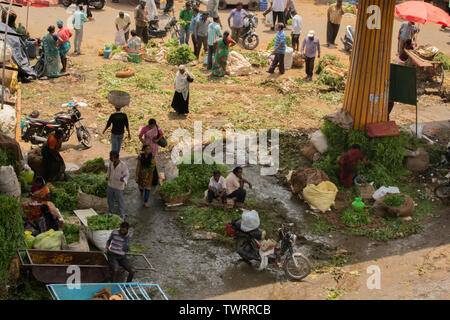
[{"x": 118, "y": 173}]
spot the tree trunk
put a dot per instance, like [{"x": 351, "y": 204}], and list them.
[{"x": 367, "y": 91}]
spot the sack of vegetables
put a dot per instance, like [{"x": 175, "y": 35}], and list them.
[
  {"x": 174, "y": 192},
  {"x": 100, "y": 228},
  {"x": 50, "y": 240}
]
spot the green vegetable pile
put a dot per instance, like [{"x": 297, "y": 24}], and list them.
[
  {"x": 116, "y": 49},
  {"x": 326, "y": 60},
  {"x": 271, "y": 44},
  {"x": 394, "y": 200},
  {"x": 332, "y": 80},
  {"x": 193, "y": 177},
  {"x": 151, "y": 44},
  {"x": 71, "y": 232},
  {"x": 349, "y": 8},
  {"x": 355, "y": 218},
  {"x": 7, "y": 159},
  {"x": 103, "y": 222},
  {"x": 445, "y": 59},
  {"x": 65, "y": 193},
  {"x": 386, "y": 154},
  {"x": 255, "y": 59},
  {"x": 11, "y": 235},
  {"x": 180, "y": 55},
  {"x": 96, "y": 165},
  {"x": 289, "y": 22},
  {"x": 171, "y": 43}
]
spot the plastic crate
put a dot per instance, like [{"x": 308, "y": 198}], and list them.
[{"x": 135, "y": 57}]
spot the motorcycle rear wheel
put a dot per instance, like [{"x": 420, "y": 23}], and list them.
[
  {"x": 84, "y": 136},
  {"x": 442, "y": 191},
  {"x": 250, "y": 42},
  {"x": 253, "y": 5},
  {"x": 66, "y": 3},
  {"x": 99, "y": 5},
  {"x": 294, "y": 273}
]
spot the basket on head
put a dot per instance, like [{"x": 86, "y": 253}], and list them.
[{"x": 119, "y": 98}]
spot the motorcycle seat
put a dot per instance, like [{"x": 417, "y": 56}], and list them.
[{"x": 34, "y": 120}]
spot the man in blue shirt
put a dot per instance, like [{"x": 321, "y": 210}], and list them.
[
  {"x": 214, "y": 32},
  {"x": 279, "y": 50},
  {"x": 79, "y": 17},
  {"x": 407, "y": 31}
]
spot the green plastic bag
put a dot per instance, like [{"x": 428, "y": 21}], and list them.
[
  {"x": 50, "y": 240},
  {"x": 29, "y": 239}
]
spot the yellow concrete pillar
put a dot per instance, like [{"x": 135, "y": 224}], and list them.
[{"x": 367, "y": 91}]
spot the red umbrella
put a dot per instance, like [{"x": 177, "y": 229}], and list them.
[
  {"x": 35, "y": 3},
  {"x": 421, "y": 12}
]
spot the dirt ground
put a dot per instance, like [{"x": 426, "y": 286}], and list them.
[{"x": 413, "y": 268}]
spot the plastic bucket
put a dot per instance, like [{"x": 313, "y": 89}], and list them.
[
  {"x": 107, "y": 53},
  {"x": 31, "y": 48}
]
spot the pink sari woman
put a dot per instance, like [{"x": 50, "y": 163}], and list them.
[{"x": 149, "y": 136}]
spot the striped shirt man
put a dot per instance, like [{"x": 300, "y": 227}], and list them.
[
  {"x": 280, "y": 39},
  {"x": 120, "y": 244},
  {"x": 214, "y": 32}
]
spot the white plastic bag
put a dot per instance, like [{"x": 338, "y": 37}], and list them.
[
  {"x": 162, "y": 4},
  {"x": 381, "y": 192},
  {"x": 319, "y": 141},
  {"x": 8, "y": 52},
  {"x": 250, "y": 221},
  {"x": 269, "y": 19},
  {"x": 99, "y": 238},
  {"x": 9, "y": 184},
  {"x": 119, "y": 39},
  {"x": 288, "y": 58}
]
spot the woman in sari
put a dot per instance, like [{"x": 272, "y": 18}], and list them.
[
  {"x": 144, "y": 173},
  {"x": 50, "y": 45},
  {"x": 53, "y": 162},
  {"x": 180, "y": 101},
  {"x": 221, "y": 51},
  {"x": 150, "y": 136}
]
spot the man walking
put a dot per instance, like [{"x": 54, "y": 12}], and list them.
[
  {"x": 141, "y": 19},
  {"x": 123, "y": 22},
  {"x": 201, "y": 34},
  {"x": 214, "y": 32},
  {"x": 117, "y": 176},
  {"x": 407, "y": 32},
  {"x": 152, "y": 10},
  {"x": 310, "y": 46},
  {"x": 278, "y": 7},
  {"x": 119, "y": 122},
  {"x": 297, "y": 27},
  {"x": 279, "y": 50},
  {"x": 79, "y": 18},
  {"x": 213, "y": 9},
  {"x": 185, "y": 20},
  {"x": 238, "y": 14},
  {"x": 335, "y": 13}
]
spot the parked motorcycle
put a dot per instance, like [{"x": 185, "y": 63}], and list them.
[
  {"x": 250, "y": 38},
  {"x": 349, "y": 38},
  {"x": 442, "y": 191},
  {"x": 248, "y": 245},
  {"x": 97, "y": 4},
  {"x": 37, "y": 131},
  {"x": 171, "y": 27}
]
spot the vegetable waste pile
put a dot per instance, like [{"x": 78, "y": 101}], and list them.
[{"x": 331, "y": 72}]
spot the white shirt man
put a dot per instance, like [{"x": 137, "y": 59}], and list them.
[
  {"x": 123, "y": 22},
  {"x": 152, "y": 10},
  {"x": 297, "y": 26}
]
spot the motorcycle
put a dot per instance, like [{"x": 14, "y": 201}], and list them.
[
  {"x": 97, "y": 4},
  {"x": 171, "y": 26},
  {"x": 248, "y": 245},
  {"x": 250, "y": 38},
  {"x": 349, "y": 38},
  {"x": 442, "y": 191},
  {"x": 37, "y": 131}
]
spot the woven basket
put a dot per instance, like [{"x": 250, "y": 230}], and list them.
[{"x": 177, "y": 199}]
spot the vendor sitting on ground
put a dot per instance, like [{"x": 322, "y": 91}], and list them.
[
  {"x": 53, "y": 161},
  {"x": 41, "y": 214},
  {"x": 217, "y": 188},
  {"x": 134, "y": 45},
  {"x": 117, "y": 247},
  {"x": 347, "y": 165},
  {"x": 235, "y": 186}
]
